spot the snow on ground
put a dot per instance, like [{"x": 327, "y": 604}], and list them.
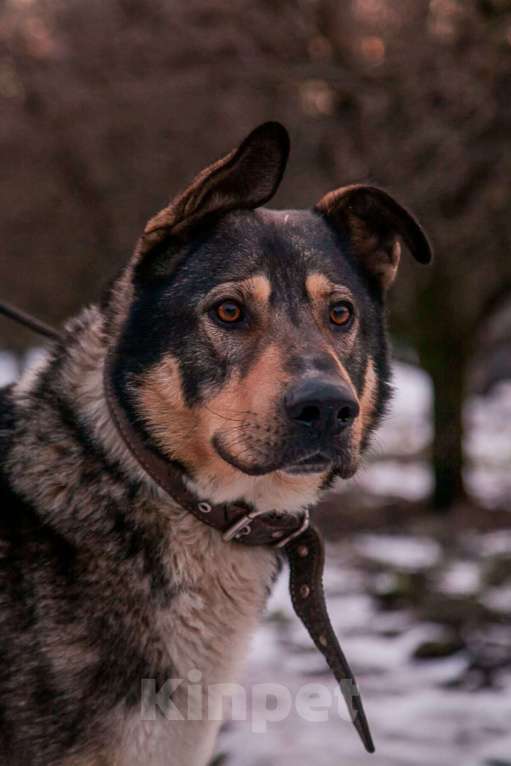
[
  {"x": 407, "y": 427},
  {"x": 406, "y": 553},
  {"x": 407, "y": 431},
  {"x": 419, "y": 711},
  {"x": 8, "y": 368},
  {"x": 461, "y": 578}
]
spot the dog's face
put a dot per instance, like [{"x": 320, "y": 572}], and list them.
[
  {"x": 254, "y": 343},
  {"x": 265, "y": 349}
]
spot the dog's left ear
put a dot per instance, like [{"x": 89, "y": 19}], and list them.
[
  {"x": 244, "y": 179},
  {"x": 374, "y": 223}
]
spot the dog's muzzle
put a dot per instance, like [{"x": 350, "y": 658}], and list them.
[{"x": 321, "y": 407}]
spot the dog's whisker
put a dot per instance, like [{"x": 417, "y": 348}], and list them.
[
  {"x": 228, "y": 412},
  {"x": 221, "y": 416}
]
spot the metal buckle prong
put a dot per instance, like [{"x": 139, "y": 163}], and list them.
[
  {"x": 242, "y": 527},
  {"x": 235, "y": 529},
  {"x": 292, "y": 535}
]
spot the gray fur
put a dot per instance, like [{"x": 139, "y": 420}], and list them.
[{"x": 104, "y": 581}]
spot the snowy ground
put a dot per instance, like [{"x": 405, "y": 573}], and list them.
[
  {"x": 425, "y": 625},
  {"x": 407, "y": 431},
  {"x": 423, "y": 712}
]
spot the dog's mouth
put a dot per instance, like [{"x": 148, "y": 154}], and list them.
[
  {"x": 317, "y": 462},
  {"x": 295, "y": 461}
]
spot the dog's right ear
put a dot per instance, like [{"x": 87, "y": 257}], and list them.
[{"x": 244, "y": 179}]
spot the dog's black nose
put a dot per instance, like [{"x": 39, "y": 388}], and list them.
[{"x": 323, "y": 406}]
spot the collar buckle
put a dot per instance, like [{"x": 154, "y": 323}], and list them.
[
  {"x": 242, "y": 527},
  {"x": 291, "y": 536}
]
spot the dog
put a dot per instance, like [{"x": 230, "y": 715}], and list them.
[{"x": 248, "y": 351}]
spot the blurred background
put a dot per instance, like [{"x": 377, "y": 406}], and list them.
[{"x": 108, "y": 108}]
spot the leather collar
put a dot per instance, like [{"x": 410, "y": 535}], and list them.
[{"x": 239, "y": 523}]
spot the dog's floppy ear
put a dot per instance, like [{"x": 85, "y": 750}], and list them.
[
  {"x": 244, "y": 179},
  {"x": 375, "y": 222}
]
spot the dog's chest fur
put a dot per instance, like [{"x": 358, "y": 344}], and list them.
[
  {"x": 205, "y": 628},
  {"x": 117, "y": 583}
]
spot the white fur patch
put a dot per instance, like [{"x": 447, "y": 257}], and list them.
[{"x": 273, "y": 492}]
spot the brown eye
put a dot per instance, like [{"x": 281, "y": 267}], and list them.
[
  {"x": 229, "y": 312},
  {"x": 341, "y": 313}
]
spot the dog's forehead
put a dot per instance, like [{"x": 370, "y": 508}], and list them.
[
  {"x": 302, "y": 233},
  {"x": 284, "y": 245}
]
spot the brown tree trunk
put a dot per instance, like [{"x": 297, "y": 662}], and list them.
[
  {"x": 446, "y": 364},
  {"x": 447, "y": 448}
]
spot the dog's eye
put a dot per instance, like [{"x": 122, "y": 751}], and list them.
[
  {"x": 341, "y": 313},
  {"x": 229, "y": 312}
]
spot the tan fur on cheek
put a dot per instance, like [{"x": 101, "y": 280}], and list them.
[
  {"x": 171, "y": 422},
  {"x": 185, "y": 433},
  {"x": 253, "y": 395},
  {"x": 243, "y": 415},
  {"x": 367, "y": 404}
]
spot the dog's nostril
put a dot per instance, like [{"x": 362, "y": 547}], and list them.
[
  {"x": 309, "y": 414},
  {"x": 346, "y": 413}
]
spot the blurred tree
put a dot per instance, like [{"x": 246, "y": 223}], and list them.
[
  {"x": 109, "y": 106},
  {"x": 429, "y": 107}
]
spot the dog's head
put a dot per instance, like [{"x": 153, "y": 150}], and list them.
[{"x": 253, "y": 343}]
